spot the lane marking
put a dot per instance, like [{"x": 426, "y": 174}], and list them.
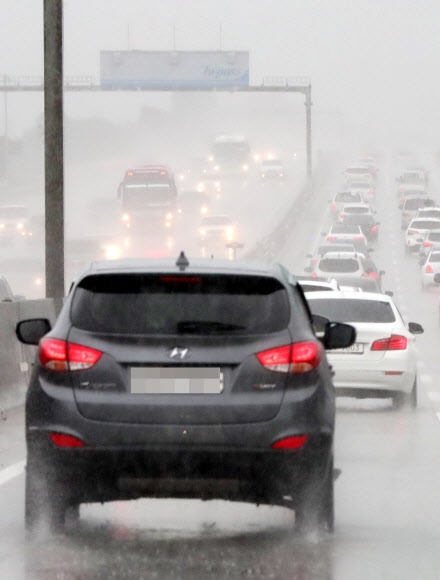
[{"x": 12, "y": 471}]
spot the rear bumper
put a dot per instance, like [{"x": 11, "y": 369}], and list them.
[{"x": 223, "y": 461}]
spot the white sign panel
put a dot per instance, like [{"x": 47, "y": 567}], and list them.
[{"x": 186, "y": 69}]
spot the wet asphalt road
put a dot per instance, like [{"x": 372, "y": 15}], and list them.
[{"x": 387, "y": 499}]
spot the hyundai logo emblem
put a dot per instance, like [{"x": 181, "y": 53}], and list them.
[{"x": 179, "y": 353}]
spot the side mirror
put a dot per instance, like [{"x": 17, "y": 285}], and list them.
[
  {"x": 309, "y": 255},
  {"x": 382, "y": 272},
  {"x": 420, "y": 240},
  {"x": 338, "y": 335},
  {"x": 415, "y": 328},
  {"x": 32, "y": 330},
  {"x": 389, "y": 293},
  {"x": 308, "y": 269}
]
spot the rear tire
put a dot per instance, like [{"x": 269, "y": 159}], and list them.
[
  {"x": 401, "y": 400},
  {"x": 315, "y": 511},
  {"x": 45, "y": 502}
]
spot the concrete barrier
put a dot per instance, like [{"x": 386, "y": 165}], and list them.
[{"x": 16, "y": 359}]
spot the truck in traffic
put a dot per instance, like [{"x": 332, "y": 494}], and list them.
[{"x": 148, "y": 197}]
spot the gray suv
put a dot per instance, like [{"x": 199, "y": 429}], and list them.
[{"x": 201, "y": 379}]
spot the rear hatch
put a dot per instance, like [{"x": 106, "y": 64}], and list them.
[{"x": 179, "y": 349}]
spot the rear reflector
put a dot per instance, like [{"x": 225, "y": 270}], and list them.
[
  {"x": 394, "y": 342},
  {"x": 295, "y": 442},
  {"x": 297, "y": 358},
  {"x": 63, "y": 440}
]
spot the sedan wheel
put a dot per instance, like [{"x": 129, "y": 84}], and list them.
[{"x": 401, "y": 400}]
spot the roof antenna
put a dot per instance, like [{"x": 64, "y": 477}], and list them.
[{"x": 182, "y": 261}]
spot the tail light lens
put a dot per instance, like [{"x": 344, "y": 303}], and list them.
[
  {"x": 427, "y": 244},
  {"x": 357, "y": 238},
  {"x": 60, "y": 355},
  {"x": 429, "y": 269},
  {"x": 296, "y": 358},
  {"x": 393, "y": 342},
  {"x": 373, "y": 275},
  {"x": 374, "y": 229},
  {"x": 332, "y": 238},
  {"x": 334, "y": 207},
  {"x": 341, "y": 216},
  {"x": 371, "y": 192},
  {"x": 412, "y": 232}
]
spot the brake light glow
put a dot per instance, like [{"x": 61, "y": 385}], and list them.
[
  {"x": 334, "y": 208},
  {"x": 429, "y": 269},
  {"x": 427, "y": 244},
  {"x": 181, "y": 279},
  {"x": 357, "y": 238},
  {"x": 373, "y": 275},
  {"x": 332, "y": 238},
  {"x": 64, "y": 440},
  {"x": 374, "y": 229},
  {"x": 296, "y": 358},
  {"x": 295, "y": 442},
  {"x": 393, "y": 342},
  {"x": 60, "y": 355}
]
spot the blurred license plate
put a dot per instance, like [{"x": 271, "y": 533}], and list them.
[
  {"x": 176, "y": 380},
  {"x": 356, "y": 348}
]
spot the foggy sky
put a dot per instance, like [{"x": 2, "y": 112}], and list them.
[{"x": 375, "y": 64}]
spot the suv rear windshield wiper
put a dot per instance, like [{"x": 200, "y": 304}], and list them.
[{"x": 206, "y": 326}]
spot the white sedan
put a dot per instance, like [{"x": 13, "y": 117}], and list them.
[{"x": 382, "y": 363}]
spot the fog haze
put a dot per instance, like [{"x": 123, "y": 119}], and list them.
[{"x": 372, "y": 65}]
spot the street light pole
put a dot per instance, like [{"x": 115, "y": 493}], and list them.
[
  {"x": 308, "y": 103},
  {"x": 54, "y": 152}
]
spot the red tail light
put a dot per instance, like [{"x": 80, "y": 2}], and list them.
[
  {"x": 371, "y": 192},
  {"x": 332, "y": 238},
  {"x": 315, "y": 260},
  {"x": 357, "y": 238},
  {"x": 314, "y": 275},
  {"x": 341, "y": 216},
  {"x": 60, "y": 355},
  {"x": 297, "y": 358},
  {"x": 63, "y": 440},
  {"x": 334, "y": 208},
  {"x": 394, "y": 342},
  {"x": 374, "y": 229},
  {"x": 412, "y": 232},
  {"x": 294, "y": 442},
  {"x": 373, "y": 275},
  {"x": 427, "y": 244},
  {"x": 429, "y": 269}
]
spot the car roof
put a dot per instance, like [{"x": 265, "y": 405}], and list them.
[
  {"x": 341, "y": 255},
  {"x": 196, "y": 265},
  {"x": 344, "y": 294}
]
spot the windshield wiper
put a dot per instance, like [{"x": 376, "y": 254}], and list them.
[{"x": 206, "y": 326}]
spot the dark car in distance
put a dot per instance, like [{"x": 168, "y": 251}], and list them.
[{"x": 188, "y": 379}]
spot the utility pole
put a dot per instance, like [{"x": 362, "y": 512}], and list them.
[
  {"x": 54, "y": 152},
  {"x": 308, "y": 104}
]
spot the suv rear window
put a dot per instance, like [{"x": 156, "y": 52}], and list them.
[{"x": 172, "y": 304}]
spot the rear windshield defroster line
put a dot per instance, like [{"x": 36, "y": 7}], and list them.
[{"x": 180, "y": 304}]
